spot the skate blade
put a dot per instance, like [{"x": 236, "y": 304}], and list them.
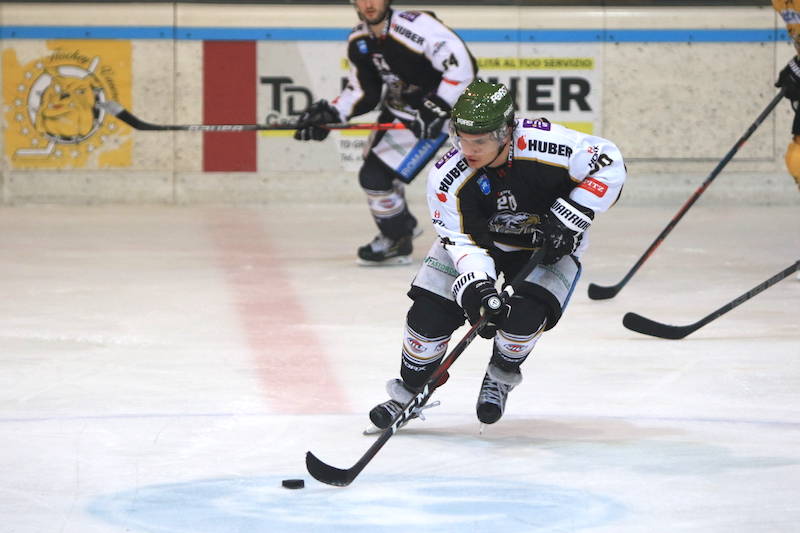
[{"x": 392, "y": 261}]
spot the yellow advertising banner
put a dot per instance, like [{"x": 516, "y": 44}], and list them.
[{"x": 52, "y": 120}]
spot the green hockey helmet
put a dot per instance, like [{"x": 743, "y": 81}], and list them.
[{"x": 483, "y": 107}]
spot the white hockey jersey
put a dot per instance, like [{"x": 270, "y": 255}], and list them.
[
  {"x": 481, "y": 212},
  {"x": 416, "y": 55}
]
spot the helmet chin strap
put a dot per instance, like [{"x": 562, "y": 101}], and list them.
[{"x": 500, "y": 150}]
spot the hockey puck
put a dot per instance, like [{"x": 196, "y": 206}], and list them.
[{"x": 293, "y": 483}]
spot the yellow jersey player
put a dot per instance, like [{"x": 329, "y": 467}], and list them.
[{"x": 789, "y": 80}]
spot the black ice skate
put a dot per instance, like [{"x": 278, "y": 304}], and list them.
[
  {"x": 383, "y": 251},
  {"x": 382, "y": 414},
  {"x": 497, "y": 383}
]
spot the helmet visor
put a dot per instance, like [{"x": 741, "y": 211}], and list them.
[{"x": 478, "y": 142}]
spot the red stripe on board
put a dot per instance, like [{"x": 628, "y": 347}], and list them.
[
  {"x": 229, "y": 97},
  {"x": 291, "y": 362}
]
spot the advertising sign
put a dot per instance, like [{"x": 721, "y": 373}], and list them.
[
  {"x": 561, "y": 82},
  {"x": 50, "y": 91}
]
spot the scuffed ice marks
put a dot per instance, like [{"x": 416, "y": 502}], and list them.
[{"x": 388, "y": 503}]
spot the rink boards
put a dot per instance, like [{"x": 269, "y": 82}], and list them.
[{"x": 673, "y": 87}]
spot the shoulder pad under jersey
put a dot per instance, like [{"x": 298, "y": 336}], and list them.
[
  {"x": 411, "y": 27},
  {"x": 542, "y": 140},
  {"x": 359, "y": 30},
  {"x": 440, "y": 163},
  {"x": 448, "y": 174}
]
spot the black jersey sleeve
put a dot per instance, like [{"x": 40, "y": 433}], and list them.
[{"x": 362, "y": 93}]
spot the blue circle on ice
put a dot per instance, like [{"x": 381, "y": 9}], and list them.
[{"x": 443, "y": 504}]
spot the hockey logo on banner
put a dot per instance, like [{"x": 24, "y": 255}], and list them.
[{"x": 52, "y": 117}]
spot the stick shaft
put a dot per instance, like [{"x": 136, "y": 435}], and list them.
[
  {"x": 418, "y": 400},
  {"x": 761, "y": 287},
  {"x": 138, "y": 124},
  {"x": 646, "y": 326},
  {"x": 597, "y": 292}
]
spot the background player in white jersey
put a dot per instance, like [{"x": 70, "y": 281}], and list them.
[
  {"x": 413, "y": 67},
  {"x": 506, "y": 188}
]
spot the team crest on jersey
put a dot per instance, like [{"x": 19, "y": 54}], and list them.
[
  {"x": 362, "y": 46},
  {"x": 484, "y": 185},
  {"x": 445, "y": 157},
  {"x": 539, "y": 124},
  {"x": 511, "y": 223}
]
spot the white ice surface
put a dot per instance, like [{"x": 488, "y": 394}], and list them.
[{"x": 163, "y": 368}]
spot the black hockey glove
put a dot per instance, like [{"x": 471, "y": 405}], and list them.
[
  {"x": 318, "y": 113},
  {"x": 789, "y": 79},
  {"x": 475, "y": 293},
  {"x": 432, "y": 113},
  {"x": 563, "y": 229}
]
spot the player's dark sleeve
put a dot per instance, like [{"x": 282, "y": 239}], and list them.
[{"x": 368, "y": 78}]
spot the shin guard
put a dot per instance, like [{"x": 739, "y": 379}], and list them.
[
  {"x": 510, "y": 351},
  {"x": 421, "y": 356},
  {"x": 519, "y": 333}
]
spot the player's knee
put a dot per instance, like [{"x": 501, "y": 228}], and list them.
[
  {"x": 526, "y": 317},
  {"x": 545, "y": 302},
  {"x": 433, "y": 316},
  {"x": 373, "y": 176}
]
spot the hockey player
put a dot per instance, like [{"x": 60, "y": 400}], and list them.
[
  {"x": 413, "y": 68},
  {"x": 506, "y": 188},
  {"x": 789, "y": 80}
]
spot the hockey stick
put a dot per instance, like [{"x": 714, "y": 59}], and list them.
[
  {"x": 342, "y": 477},
  {"x": 644, "y": 325},
  {"x": 136, "y": 123},
  {"x": 599, "y": 292}
]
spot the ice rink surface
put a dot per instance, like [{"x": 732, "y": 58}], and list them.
[{"x": 162, "y": 369}]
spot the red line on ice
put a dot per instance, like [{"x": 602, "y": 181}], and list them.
[{"x": 291, "y": 361}]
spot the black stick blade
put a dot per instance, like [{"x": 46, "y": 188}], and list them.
[
  {"x": 644, "y": 325},
  {"x": 598, "y": 292},
  {"x": 326, "y": 473}
]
